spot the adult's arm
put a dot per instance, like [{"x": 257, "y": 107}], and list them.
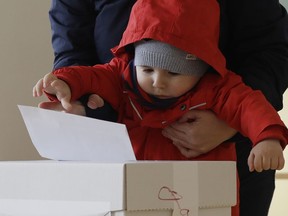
[
  {"x": 84, "y": 31},
  {"x": 254, "y": 38},
  {"x": 72, "y": 25}
]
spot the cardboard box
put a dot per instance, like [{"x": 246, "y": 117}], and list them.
[{"x": 159, "y": 188}]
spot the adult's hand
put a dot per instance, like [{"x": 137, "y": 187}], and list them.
[{"x": 198, "y": 132}]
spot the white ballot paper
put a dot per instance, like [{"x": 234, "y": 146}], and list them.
[{"x": 62, "y": 136}]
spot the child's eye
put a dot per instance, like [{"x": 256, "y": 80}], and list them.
[
  {"x": 173, "y": 74},
  {"x": 148, "y": 70}
]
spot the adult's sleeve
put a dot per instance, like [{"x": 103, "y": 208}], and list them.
[
  {"x": 72, "y": 24},
  {"x": 255, "y": 42},
  {"x": 84, "y": 31}
]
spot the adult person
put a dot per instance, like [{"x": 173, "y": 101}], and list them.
[{"x": 253, "y": 38}]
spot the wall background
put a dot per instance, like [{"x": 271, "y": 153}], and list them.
[
  {"x": 25, "y": 56},
  {"x": 284, "y": 3}
]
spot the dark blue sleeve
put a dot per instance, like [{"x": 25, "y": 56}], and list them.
[
  {"x": 72, "y": 25},
  {"x": 254, "y": 39},
  {"x": 83, "y": 32}
]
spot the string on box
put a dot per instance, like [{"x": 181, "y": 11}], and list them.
[{"x": 166, "y": 194}]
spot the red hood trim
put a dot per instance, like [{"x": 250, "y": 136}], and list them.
[{"x": 191, "y": 25}]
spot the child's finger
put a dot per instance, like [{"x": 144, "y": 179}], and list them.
[
  {"x": 251, "y": 162},
  {"x": 65, "y": 101},
  {"x": 48, "y": 79},
  {"x": 281, "y": 163},
  {"x": 268, "y": 163},
  {"x": 38, "y": 89},
  {"x": 258, "y": 163},
  {"x": 274, "y": 164},
  {"x": 63, "y": 97},
  {"x": 95, "y": 101},
  {"x": 63, "y": 93},
  {"x": 277, "y": 163},
  {"x": 59, "y": 88}
]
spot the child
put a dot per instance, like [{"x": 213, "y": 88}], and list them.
[{"x": 165, "y": 65}]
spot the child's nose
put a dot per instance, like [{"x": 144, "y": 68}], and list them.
[{"x": 159, "y": 81}]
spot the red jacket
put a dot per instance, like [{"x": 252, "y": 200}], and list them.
[{"x": 194, "y": 27}]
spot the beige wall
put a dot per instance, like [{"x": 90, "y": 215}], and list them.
[
  {"x": 25, "y": 54},
  {"x": 285, "y": 3}
]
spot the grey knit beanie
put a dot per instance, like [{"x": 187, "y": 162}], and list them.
[{"x": 162, "y": 55}]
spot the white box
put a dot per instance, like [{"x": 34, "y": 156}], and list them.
[{"x": 159, "y": 188}]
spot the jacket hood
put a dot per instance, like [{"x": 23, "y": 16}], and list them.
[{"x": 190, "y": 25}]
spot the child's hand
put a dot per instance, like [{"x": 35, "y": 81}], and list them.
[
  {"x": 267, "y": 154},
  {"x": 52, "y": 85},
  {"x": 77, "y": 107}
]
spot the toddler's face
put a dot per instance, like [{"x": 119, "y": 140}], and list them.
[{"x": 164, "y": 84}]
